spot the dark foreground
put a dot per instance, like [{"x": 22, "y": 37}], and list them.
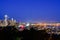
[{"x": 11, "y": 33}]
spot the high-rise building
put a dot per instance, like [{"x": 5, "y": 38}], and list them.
[{"x": 5, "y": 20}]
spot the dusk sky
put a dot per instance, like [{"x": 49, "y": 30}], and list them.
[{"x": 31, "y": 10}]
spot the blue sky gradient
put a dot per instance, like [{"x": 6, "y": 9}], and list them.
[{"x": 31, "y": 10}]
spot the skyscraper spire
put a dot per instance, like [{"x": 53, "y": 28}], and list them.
[
  {"x": 5, "y": 20},
  {"x": 6, "y": 17},
  {"x": 12, "y": 19}
]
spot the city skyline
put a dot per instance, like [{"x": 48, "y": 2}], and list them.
[{"x": 31, "y": 10}]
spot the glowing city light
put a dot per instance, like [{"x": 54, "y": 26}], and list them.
[{"x": 28, "y": 24}]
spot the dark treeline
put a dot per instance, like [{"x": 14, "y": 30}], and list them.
[{"x": 11, "y": 33}]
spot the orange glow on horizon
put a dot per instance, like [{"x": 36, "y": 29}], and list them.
[{"x": 46, "y": 24}]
